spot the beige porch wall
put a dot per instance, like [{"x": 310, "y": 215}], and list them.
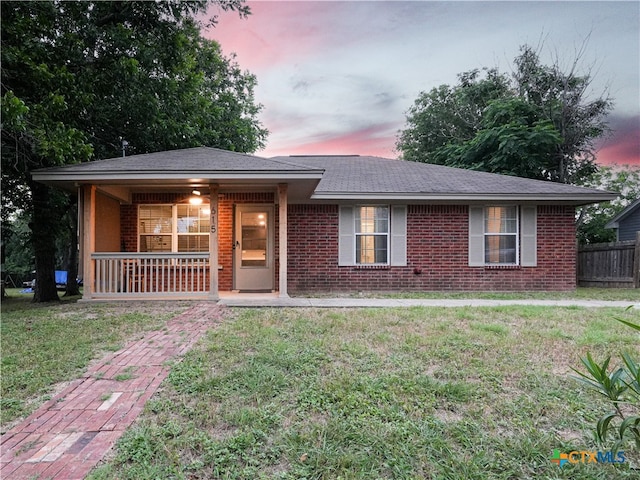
[{"x": 108, "y": 228}]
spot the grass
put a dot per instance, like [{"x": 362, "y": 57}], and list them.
[
  {"x": 482, "y": 393},
  {"x": 581, "y": 293},
  {"x": 44, "y": 344}
]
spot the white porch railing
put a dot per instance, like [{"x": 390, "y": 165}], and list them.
[{"x": 151, "y": 274}]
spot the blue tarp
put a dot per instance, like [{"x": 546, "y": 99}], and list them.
[{"x": 61, "y": 277}]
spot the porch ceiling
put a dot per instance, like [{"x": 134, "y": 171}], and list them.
[{"x": 299, "y": 189}]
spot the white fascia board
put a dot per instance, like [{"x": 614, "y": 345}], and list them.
[
  {"x": 540, "y": 197},
  {"x": 128, "y": 177}
]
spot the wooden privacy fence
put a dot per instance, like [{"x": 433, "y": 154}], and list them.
[{"x": 615, "y": 264}]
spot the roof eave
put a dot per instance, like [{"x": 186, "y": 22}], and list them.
[
  {"x": 131, "y": 176},
  {"x": 466, "y": 197}
]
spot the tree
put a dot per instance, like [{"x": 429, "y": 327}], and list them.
[
  {"x": 512, "y": 139},
  {"x": 592, "y": 218},
  {"x": 78, "y": 77},
  {"x": 498, "y": 126},
  {"x": 563, "y": 97},
  {"x": 449, "y": 116}
]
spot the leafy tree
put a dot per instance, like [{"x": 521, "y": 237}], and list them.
[
  {"x": 78, "y": 77},
  {"x": 17, "y": 252},
  {"x": 495, "y": 122},
  {"x": 511, "y": 139},
  {"x": 592, "y": 218},
  {"x": 448, "y": 116}
]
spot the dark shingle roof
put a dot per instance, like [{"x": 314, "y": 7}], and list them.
[
  {"x": 340, "y": 177},
  {"x": 186, "y": 160},
  {"x": 628, "y": 210},
  {"x": 355, "y": 174}
]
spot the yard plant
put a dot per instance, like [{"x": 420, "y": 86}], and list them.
[
  {"x": 621, "y": 387},
  {"x": 432, "y": 393}
]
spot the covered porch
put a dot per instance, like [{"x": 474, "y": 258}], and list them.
[{"x": 185, "y": 225}]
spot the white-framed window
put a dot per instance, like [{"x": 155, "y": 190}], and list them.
[
  {"x": 372, "y": 235},
  {"x": 173, "y": 228},
  {"x": 503, "y": 235}
]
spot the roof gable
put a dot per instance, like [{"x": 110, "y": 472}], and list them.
[{"x": 630, "y": 209}]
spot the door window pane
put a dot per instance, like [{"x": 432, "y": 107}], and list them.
[{"x": 254, "y": 239}]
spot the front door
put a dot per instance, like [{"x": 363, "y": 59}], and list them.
[{"x": 253, "y": 248}]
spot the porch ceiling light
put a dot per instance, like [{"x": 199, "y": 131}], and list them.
[{"x": 196, "y": 192}]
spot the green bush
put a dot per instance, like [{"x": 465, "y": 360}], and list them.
[{"x": 621, "y": 387}]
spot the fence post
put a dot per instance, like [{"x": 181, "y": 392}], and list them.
[{"x": 636, "y": 262}]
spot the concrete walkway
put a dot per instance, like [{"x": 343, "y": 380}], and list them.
[
  {"x": 272, "y": 300},
  {"x": 67, "y": 436}
]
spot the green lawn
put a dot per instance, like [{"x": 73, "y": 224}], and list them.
[
  {"x": 44, "y": 344},
  {"x": 464, "y": 393},
  {"x": 342, "y": 393},
  {"x": 615, "y": 294}
]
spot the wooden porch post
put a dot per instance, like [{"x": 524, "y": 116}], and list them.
[
  {"x": 282, "y": 241},
  {"x": 213, "y": 242},
  {"x": 80, "y": 238},
  {"x": 88, "y": 239}
]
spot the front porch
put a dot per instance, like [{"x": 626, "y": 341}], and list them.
[
  {"x": 167, "y": 246},
  {"x": 155, "y": 225}
]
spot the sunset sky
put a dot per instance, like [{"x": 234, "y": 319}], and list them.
[{"x": 338, "y": 77}]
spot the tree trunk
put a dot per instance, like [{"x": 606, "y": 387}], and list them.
[
  {"x": 44, "y": 224},
  {"x": 72, "y": 256}
]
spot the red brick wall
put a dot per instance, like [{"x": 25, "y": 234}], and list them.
[
  {"x": 129, "y": 225},
  {"x": 437, "y": 246}
]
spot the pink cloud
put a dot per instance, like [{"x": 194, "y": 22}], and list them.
[
  {"x": 278, "y": 37},
  {"x": 266, "y": 37},
  {"x": 623, "y": 147},
  {"x": 377, "y": 140}
]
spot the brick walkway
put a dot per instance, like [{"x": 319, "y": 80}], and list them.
[{"x": 68, "y": 435}]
